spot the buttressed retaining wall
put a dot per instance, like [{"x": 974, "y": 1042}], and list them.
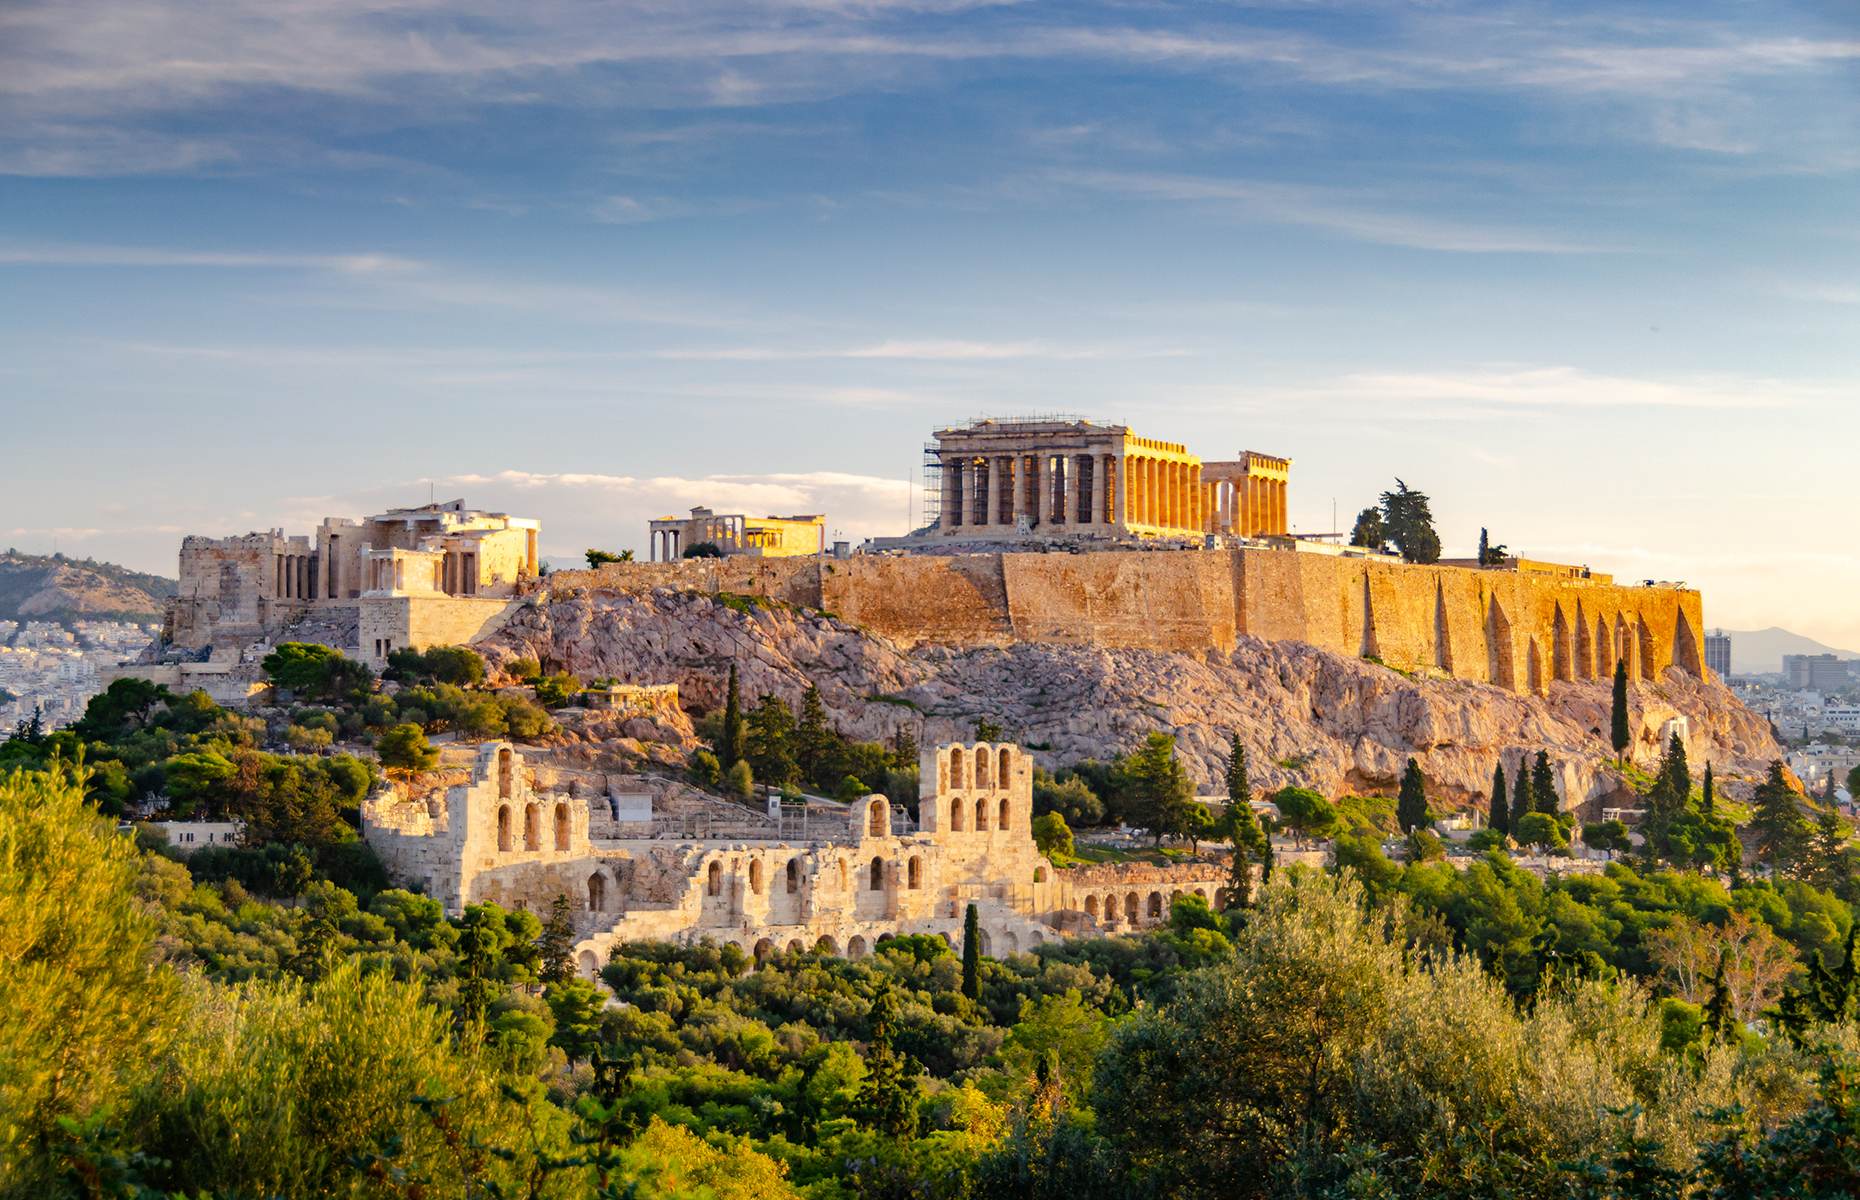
[{"x": 1516, "y": 631}]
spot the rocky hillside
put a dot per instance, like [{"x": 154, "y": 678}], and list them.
[
  {"x": 1308, "y": 716},
  {"x": 35, "y": 588}
]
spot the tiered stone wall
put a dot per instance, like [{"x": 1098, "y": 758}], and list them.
[{"x": 1514, "y": 630}]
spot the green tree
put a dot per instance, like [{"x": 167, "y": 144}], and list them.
[
  {"x": 556, "y": 948},
  {"x": 314, "y": 670},
  {"x": 1305, "y": 812},
  {"x": 771, "y": 749},
  {"x": 904, "y": 753},
  {"x": 1781, "y": 832},
  {"x": 815, "y": 745},
  {"x": 1239, "y": 791},
  {"x": 972, "y": 954},
  {"x": 1160, "y": 792},
  {"x": 405, "y": 748},
  {"x": 1499, "y": 814},
  {"x": 887, "y": 1099},
  {"x": 1543, "y": 785},
  {"x": 1410, "y": 524},
  {"x": 85, "y": 1014},
  {"x": 1707, "y": 799},
  {"x": 703, "y": 550},
  {"x": 1051, "y": 835},
  {"x": 1523, "y": 799},
  {"x": 1618, "y": 712},
  {"x": 1676, "y": 770},
  {"x": 597, "y": 557},
  {"x": 1490, "y": 555},
  {"x": 740, "y": 781},
  {"x": 987, "y": 730},
  {"x": 1540, "y": 829},
  {"x": 732, "y": 748},
  {"x": 1411, "y": 801},
  {"x": 126, "y": 704},
  {"x": 1370, "y": 530}
]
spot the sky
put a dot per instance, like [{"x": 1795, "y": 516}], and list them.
[{"x": 1587, "y": 275}]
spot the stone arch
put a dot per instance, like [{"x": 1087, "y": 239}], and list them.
[
  {"x": 503, "y": 773},
  {"x": 855, "y": 948},
  {"x": 1201, "y": 893},
  {"x": 1155, "y": 906},
  {"x": 532, "y": 832},
  {"x": 981, "y": 768},
  {"x": 714, "y": 879},
  {"x": 794, "y": 875},
  {"x": 878, "y": 875},
  {"x": 1039, "y": 874},
  {"x": 755, "y": 876},
  {"x": 561, "y": 827},
  {"x": 955, "y": 815},
  {"x": 955, "y": 769},
  {"x": 877, "y": 819},
  {"x": 763, "y": 949},
  {"x": 503, "y": 827},
  {"x": 1004, "y": 771},
  {"x": 795, "y": 947},
  {"x": 885, "y": 937},
  {"x": 1006, "y": 812},
  {"x": 1133, "y": 911},
  {"x": 1647, "y": 656},
  {"x": 597, "y": 892},
  {"x": 1091, "y": 907},
  {"x": 1034, "y": 939},
  {"x": 826, "y": 945},
  {"x": 1173, "y": 897},
  {"x": 946, "y": 940},
  {"x": 981, "y": 816},
  {"x": 1686, "y": 648},
  {"x": 1561, "y": 653},
  {"x": 1011, "y": 942},
  {"x": 588, "y": 964},
  {"x": 914, "y": 873}
]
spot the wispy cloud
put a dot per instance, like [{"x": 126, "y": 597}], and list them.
[
  {"x": 1571, "y": 387},
  {"x": 70, "y": 254},
  {"x": 928, "y": 350}
]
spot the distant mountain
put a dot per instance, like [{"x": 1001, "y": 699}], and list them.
[
  {"x": 36, "y": 588},
  {"x": 1760, "y": 651}
]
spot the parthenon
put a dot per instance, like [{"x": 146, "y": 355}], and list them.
[{"x": 1041, "y": 477}]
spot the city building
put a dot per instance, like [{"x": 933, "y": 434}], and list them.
[
  {"x": 1816, "y": 672},
  {"x": 1041, "y": 477},
  {"x": 1718, "y": 652},
  {"x": 735, "y": 533}
]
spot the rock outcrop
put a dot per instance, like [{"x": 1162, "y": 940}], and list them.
[{"x": 1308, "y": 716}]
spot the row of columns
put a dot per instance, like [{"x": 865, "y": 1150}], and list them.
[
  {"x": 1073, "y": 490},
  {"x": 460, "y": 574},
  {"x": 297, "y": 577},
  {"x": 666, "y": 545},
  {"x": 387, "y": 574},
  {"x": 1250, "y": 506}
]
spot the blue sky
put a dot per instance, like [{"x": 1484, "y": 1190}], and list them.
[{"x": 1588, "y": 275}]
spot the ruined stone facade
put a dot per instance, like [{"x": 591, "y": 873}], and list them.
[
  {"x": 842, "y": 887},
  {"x": 1513, "y": 628},
  {"x": 1032, "y": 477},
  {"x": 736, "y": 533}
]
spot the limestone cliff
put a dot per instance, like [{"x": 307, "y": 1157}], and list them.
[{"x": 1307, "y": 715}]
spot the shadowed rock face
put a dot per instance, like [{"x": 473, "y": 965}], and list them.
[{"x": 1307, "y": 715}]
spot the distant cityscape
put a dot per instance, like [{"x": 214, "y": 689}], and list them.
[{"x": 47, "y": 667}]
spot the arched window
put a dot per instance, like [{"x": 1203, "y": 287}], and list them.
[
  {"x": 1003, "y": 775},
  {"x": 1039, "y": 874},
  {"x": 794, "y": 876},
  {"x": 1173, "y": 897},
  {"x": 981, "y": 816},
  {"x": 878, "y": 874},
  {"x": 875, "y": 823},
  {"x": 1003, "y": 823},
  {"x": 1131, "y": 911},
  {"x": 561, "y": 827},
  {"x": 1091, "y": 906},
  {"x": 955, "y": 815},
  {"x": 915, "y": 872},
  {"x": 503, "y": 774},
  {"x": 981, "y": 768},
  {"x": 955, "y": 769},
  {"x": 855, "y": 948},
  {"x": 1155, "y": 906},
  {"x": 716, "y": 879},
  {"x": 503, "y": 828},
  {"x": 597, "y": 892},
  {"x": 532, "y": 836},
  {"x": 755, "y": 876},
  {"x": 764, "y": 948}
]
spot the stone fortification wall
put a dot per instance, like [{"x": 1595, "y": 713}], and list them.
[{"x": 1516, "y": 631}]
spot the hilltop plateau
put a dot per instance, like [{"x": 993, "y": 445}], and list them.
[
  {"x": 56, "y": 588},
  {"x": 1308, "y": 716}
]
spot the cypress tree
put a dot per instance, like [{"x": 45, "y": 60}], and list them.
[
  {"x": 813, "y": 741},
  {"x": 1411, "y": 803},
  {"x": 557, "y": 943},
  {"x": 1781, "y": 831},
  {"x": 904, "y": 750},
  {"x": 1265, "y": 863},
  {"x": 1522, "y": 801},
  {"x": 1499, "y": 817},
  {"x": 1718, "y": 1015},
  {"x": 887, "y": 1100},
  {"x": 1543, "y": 784},
  {"x": 972, "y": 954},
  {"x": 730, "y": 752},
  {"x": 1705, "y": 795},
  {"x": 1618, "y": 718},
  {"x": 771, "y": 749},
  {"x": 1677, "y": 771},
  {"x": 1238, "y": 790}
]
